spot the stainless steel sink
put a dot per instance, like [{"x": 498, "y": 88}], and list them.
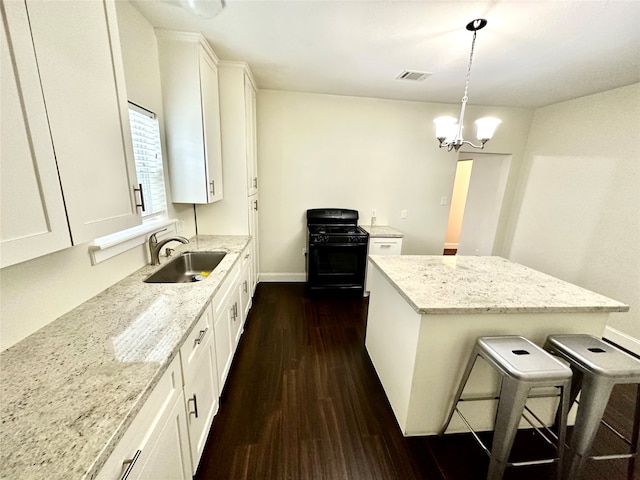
[{"x": 187, "y": 267}]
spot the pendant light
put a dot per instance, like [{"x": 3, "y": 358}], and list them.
[{"x": 449, "y": 129}]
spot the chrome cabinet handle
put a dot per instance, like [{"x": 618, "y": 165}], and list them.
[
  {"x": 141, "y": 204},
  {"x": 255, "y": 205},
  {"x": 129, "y": 465},
  {"x": 246, "y": 288},
  {"x": 247, "y": 255},
  {"x": 198, "y": 340},
  {"x": 255, "y": 182},
  {"x": 195, "y": 405},
  {"x": 212, "y": 183}
]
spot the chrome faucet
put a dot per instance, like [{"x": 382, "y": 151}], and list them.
[{"x": 155, "y": 246}]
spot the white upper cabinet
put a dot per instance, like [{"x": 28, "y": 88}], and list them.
[
  {"x": 191, "y": 101},
  {"x": 251, "y": 139},
  {"x": 34, "y": 222},
  {"x": 238, "y": 214},
  {"x": 78, "y": 49},
  {"x": 65, "y": 128}
]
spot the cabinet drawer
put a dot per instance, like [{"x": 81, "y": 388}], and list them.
[
  {"x": 193, "y": 347},
  {"x": 385, "y": 246}
]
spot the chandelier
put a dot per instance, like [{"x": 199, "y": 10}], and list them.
[{"x": 449, "y": 129}]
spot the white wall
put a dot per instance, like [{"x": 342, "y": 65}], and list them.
[
  {"x": 333, "y": 151},
  {"x": 36, "y": 292},
  {"x": 484, "y": 204},
  {"x": 578, "y": 214}
]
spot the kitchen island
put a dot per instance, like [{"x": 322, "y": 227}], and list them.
[{"x": 425, "y": 313}]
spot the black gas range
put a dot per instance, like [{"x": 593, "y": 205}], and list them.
[{"x": 336, "y": 251}]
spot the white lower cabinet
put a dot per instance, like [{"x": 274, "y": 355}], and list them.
[
  {"x": 247, "y": 284},
  {"x": 381, "y": 246},
  {"x": 226, "y": 307},
  {"x": 200, "y": 383},
  {"x": 164, "y": 460},
  {"x": 166, "y": 439},
  {"x": 156, "y": 444}
]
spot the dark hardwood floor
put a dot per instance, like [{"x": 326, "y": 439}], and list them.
[{"x": 303, "y": 402}]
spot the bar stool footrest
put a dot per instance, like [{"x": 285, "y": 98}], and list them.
[{"x": 526, "y": 463}]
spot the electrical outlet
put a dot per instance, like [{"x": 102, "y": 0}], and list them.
[
  {"x": 373, "y": 213},
  {"x": 304, "y": 251},
  {"x": 443, "y": 201},
  {"x": 179, "y": 225},
  {"x": 403, "y": 214}
]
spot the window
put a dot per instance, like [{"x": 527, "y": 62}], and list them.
[{"x": 147, "y": 152}]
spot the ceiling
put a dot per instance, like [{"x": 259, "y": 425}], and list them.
[{"x": 531, "y": 53}]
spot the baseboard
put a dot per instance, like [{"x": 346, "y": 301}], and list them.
[
  {"x": 624, "y": 340},
  {"x": 283, "y": 277}
]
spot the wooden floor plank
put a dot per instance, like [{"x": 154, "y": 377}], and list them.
[{"x": 303, "y": 401}]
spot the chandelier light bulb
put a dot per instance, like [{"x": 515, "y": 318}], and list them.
[
  {"x": 486, "y": 127},
  {"x": 446, "y": 128}
]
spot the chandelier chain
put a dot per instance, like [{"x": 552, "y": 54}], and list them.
[{"x": 466, "y": 87}]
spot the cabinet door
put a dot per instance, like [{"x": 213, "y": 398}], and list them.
[
  {"x": 226, "y": 331},
  {"x": 158, "y": 434},
  {"x": 223, "y": 312},
  {"x": 191, "y": 102},
  {"x": 224, "y": 354},
  {"x": 201, "y": 397},
  {"x": 254, "y": 207},
  {"x": 34, "y": 221},
  {"x": 251, "y": 139},
  {"x": 211, "y": 126},
  {"x": 235, "y": 321},
  {"x": 80, "y": 65},
  {"x": 201, "y": 391},
  {"x": 165, "y": 457},
  {"x": 245, "y": 288}
]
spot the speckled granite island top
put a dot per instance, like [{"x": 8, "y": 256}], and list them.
[
  {"x": 70, "y": 390},
  {"x": 469, "y": 284}
]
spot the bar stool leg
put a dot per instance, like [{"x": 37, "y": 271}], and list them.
[
  {"x": 593, "y": 401},
  {"x": 513, "y": 397},
  {"x": 463, "y": 383},
  {"x": 631, "y": 467}
]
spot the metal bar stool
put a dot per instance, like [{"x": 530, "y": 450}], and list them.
[
  {"x": 597, "y": 366},
  {"x": 522, "y": 366}
]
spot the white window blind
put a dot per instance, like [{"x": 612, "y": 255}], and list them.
[{"x": 147, "y": 152}]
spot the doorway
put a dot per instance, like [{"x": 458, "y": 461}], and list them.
[{"x": 476, "y": 203}]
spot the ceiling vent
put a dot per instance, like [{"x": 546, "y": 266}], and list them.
[{"x": 413, "y": 75}]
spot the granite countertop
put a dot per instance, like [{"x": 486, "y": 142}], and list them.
[
  {"x": 382, "y": 231},
  {"x": 470, "y": 284},
  {"x": 71, "y": 389}
]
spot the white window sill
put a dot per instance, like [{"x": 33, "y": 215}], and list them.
[{"x": 109, "y": 246}]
